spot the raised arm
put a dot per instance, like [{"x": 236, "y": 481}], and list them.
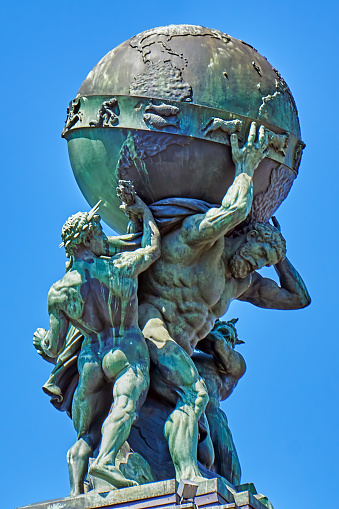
[
  {"x": 265, "y": 293},
  {"x": 236, "y": 204},
  {"x": 127, "y": 242},
  {"x": 49, "y": 343},
  {"x": 149, "y": 251}
]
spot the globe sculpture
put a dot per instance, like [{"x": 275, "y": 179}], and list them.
[
  {"x": 164, "y": 133},
  {"x": 159, "y": 110}
]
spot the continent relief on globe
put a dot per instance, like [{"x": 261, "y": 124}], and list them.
[{"x": 159, "y": 110}]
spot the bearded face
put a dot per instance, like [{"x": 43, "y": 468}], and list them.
[
  {"x": 252, "y": 256},
  {"x": 239, "y": 264}
]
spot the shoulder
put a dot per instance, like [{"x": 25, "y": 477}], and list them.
[{"x": 61, "y": 288}]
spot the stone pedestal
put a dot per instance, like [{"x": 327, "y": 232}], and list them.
[{"x": 211, "y": 494}]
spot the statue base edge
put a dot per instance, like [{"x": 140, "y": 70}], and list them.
[{"x": 211, "y": 494}]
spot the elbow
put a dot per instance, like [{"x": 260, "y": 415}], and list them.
[
  {"x": 156, "y": 249},
  {"x": 301, "y": 302},
  {"x": 153, "y": 254},
  {"x": 306, "y": 301},
  {"x": 241, "y": 368}
]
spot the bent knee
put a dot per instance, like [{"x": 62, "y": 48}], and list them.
[{"x": 80, "y": 451}]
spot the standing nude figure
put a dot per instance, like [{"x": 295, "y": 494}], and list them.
[
  {"x": 98, "y": 296},
  {"x": 193, "y": 283}
]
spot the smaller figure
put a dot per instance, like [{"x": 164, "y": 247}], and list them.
[
  {"x": 221, "y": 368},
  {"x": 106, "y": 114},
  {"x": 226, "y": 126},
  {"x": 98, "y": 296},
  {"x": 73, "y": 116}
]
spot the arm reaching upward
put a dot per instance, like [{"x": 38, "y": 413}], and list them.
[
  {"x": 236, "y": 204},
  {"x": 127, "y": 242},
  {"x": 149, "y": 252}
]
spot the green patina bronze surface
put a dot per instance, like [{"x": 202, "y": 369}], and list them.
[
  {"x": 98, "y": 296},
  {"x": 156, "y": 109},
  {"x": 208, "y": 132},
  {"x": 221, "y": 367},
  {"x": 208, "y": 258},
  {"x": 205, "y": 264}
]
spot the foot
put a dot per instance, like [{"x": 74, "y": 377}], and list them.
[
  {"x": 76, "y": 491},
  {"x": 193, "y": 478},
  {"x": 198, "y": 478},
  {"x": 111, "y": 474}
]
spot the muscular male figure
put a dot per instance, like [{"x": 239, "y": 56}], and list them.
[
  {"x": 98, "y": 296},
  {"x": 201, "y": 270}
]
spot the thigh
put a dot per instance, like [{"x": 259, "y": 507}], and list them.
[
  {"x": 91, "y": 403},
  {"x": 132, "y": 387},
  {"x": 91, "y": 376},
  {"x": 171, "y": 363}
]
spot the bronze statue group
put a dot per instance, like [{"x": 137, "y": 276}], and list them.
[{"x": 135, "y": 334}]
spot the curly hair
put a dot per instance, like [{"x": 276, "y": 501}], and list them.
[
  {"x": 265, "y": 232},
  {"x": 77, "y": 228},
  {"x": 227, "y": 330}
]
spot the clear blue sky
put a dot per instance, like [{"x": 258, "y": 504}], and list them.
[{"x": 284, "y": 413}]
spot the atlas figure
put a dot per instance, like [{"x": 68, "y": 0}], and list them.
[{"x": 204, "y": 265}]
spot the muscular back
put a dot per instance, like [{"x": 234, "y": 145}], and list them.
[{"x": 97, "y": 296}]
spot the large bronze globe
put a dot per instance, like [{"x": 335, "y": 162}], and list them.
[{"x": 159, "y": 110}]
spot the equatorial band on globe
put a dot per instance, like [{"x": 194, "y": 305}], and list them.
[
  {"x": 179, "y": 118},
  {"x": 159, "y": 110}
]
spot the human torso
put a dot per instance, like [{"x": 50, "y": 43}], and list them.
[
  {"x": 100, "y": 299},
  {"x": 188, "y": 285}
]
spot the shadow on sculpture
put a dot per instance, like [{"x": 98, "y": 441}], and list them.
[
  {"x": 207, "y": 259},
  {"x": 141, "y": 359}
]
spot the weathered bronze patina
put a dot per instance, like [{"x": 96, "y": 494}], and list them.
[
  {"x": 208, "y": 132},
  {"x": 98, "y": 296},
  {"x": 159, "y": 110}
]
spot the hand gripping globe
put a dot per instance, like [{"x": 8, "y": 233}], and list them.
[{"x": 159, "y": 110}]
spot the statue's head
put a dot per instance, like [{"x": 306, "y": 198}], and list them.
[
  {"x": 227, "y": 331},
  {"x": 83, "y": 230},
  {"x": 263, "y": 246}
]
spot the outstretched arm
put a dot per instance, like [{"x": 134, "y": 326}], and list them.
[
  {"x": 149, "y": 251},
  {"x": 237, "y": 202},
  {"x": 49, "y": 343},
  {"x": 265, "y": 293}
]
